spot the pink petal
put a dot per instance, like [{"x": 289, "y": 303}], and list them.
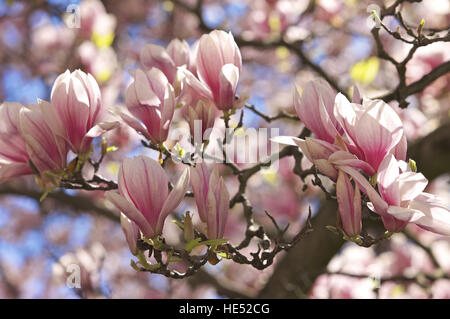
[
  {"x": 135, "y": 124},
  {"x": 47, "y": 151},
  {"x": 174, "y": 199},
  {"x": 326, "y": 168},
  {"x": 153, "y": 55},
  {"x": 179, "y": 52},
  {"x": 411, "y": 185},
  {"x": 199, "y": 176},
  {"x": 349, "y": 203},
  {"x": 344, "y": 158},
  {"x": 377, "y": 131},
  {"x": 131, "y": 231},
  {"x": 356, "y": 98},
  {"x": 101, "y": 128},
  {"x": 228, "y": 80},
  {"x": 12, "y": 170},
  {"x": 144, "y": 183},
  {"x": 222, "y": 208},
  {"x": 378, "y": 203},
  {"x": 193, "y": 90},
  {"x": 400, "y": 150},
  {"x": 144, "y": 92},
  {"x": 436, "y": 216},
  {"x": 314, "y": 108},
  {"x": 319, "y": 149},
  {"x": 387, "y": 180},
  {"x": 347, "y": 115},
  {"x": 131, "y": 212}
]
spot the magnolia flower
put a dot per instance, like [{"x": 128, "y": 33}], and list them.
[
  {"x": 403, "y": 192},
  {"x": 13, "y": 152},
  {"x": 402, "y": 198},
  {"x": 167, "y": 60},
  {"x": 212, "y": 199},
  {"x": 151, "y": 101},
  {"x": 131, "y": 231},
  {"x": 201, "y": 119},
  {"x": 144, "y": 195},
  {"x": 219, "y": 65},
  {"x": 192, "y": 89},
  {"x": 349, "y": 202},
  {"x": 76, "y": 110},
  {"x": 372, "y": 129},
  {"x": 315, "y": 109},
  {"x": 47, "y": 151}
]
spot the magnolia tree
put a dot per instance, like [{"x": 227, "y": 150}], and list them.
[{"x": 237, "y": 146}]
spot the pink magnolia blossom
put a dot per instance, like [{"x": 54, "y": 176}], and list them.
[
  {"x": 315, "y": 109},
  {"x": 144, "y": 195},
  {"x": 151, "y": 101},
  {"x": 76, "y": 111},
  {"x": 176, "y": 54},
  {"x": 349, "y": 202},
  {"x": 13, "y": 152},
  {"x": 212, "y": 199},
  {"x": 402, "y": 198},
  {"x": 131, "y": 231},
  {"x": 47, "y": 151},
  {"x": 403, "y": 191},
  {"x": 219, "y": 65},
  {"x": 372, "y": 129}
]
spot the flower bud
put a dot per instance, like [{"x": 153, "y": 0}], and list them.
[
  {"x": 76, "y": 111},
  {"x": 212, "y": 199},
  {"x": 151, "y": 101},
  {"x": 144, "y": 194},
  {"x": 131, "y": 231},
  {"x": 219, "y": 65},
  {"x": 13, "y": 152},
  {"x": 349, "y": 202}
]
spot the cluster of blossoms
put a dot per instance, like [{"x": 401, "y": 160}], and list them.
[
  {"x": 198, "y": 80},
  {"x": 202, "y": 81},
  {"x": 352, "y": 141},
  {"x": 364, "y": 141},
  {"x": 37, "y": 139}
]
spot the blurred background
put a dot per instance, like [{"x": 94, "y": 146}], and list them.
[{"x": 283, "y": 42}]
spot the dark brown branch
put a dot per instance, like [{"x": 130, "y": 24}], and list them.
[
  {"x": 78, "y": 202},
  {"x": 295, "y": 47},
  {"x": 297, "y": 271},
  {"x": 419, "y": 85},
  {"x": 268, "y": 118},
  {"x": 222, "y": 288}
]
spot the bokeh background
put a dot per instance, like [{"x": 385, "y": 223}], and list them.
[{"x": 331, "y": 37}]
